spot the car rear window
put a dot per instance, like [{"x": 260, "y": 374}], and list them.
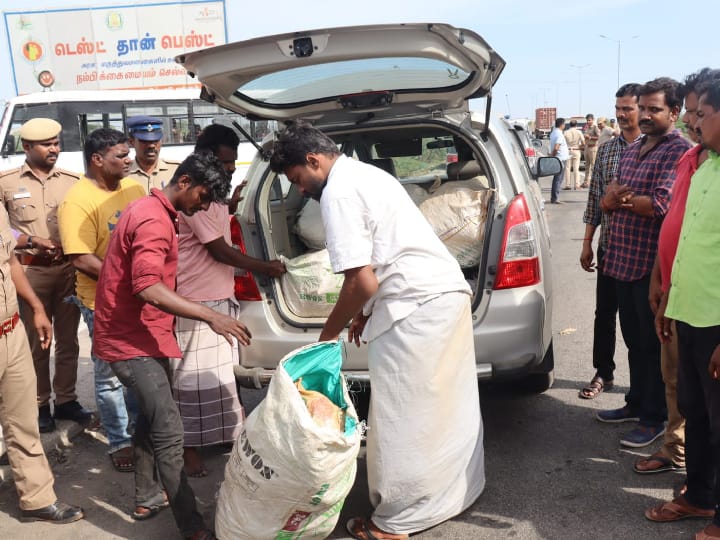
[{"x": 318, "y": 82}]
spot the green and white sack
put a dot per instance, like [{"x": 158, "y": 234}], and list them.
[
  {"x": 309, "y": 287},
  {"x": 287, "y": 477}
]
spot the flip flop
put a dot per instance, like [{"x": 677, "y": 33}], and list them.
[
  {"x": 676, "y": 510},
  {"x": 663, "y": 464},
  {"x": 595, "y": 387},
  {"x": 366, "y": 533},
  {"x": 124, "y": 459},
  {"x": 151, "y": 510}
]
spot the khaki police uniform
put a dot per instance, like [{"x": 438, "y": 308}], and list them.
[
  {"x": 575, "y": 141},
  {"x": 159, "y": 177},
  {"x": 592, "y": 134},
  {"x": 32, "y": 204},
  {"x": 18, "y": 411}
]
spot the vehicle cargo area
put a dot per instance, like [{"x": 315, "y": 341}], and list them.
[{"x": 439, "y": 172}]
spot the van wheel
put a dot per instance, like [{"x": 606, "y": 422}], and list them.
[{"x": 543, "y": 378}]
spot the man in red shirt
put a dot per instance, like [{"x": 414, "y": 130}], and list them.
[{"x": 134, "y": 318}]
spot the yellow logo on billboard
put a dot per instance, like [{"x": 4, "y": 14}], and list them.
[
  {"x": 32, "y": 50},
  {"x": 114, "y": 20}
]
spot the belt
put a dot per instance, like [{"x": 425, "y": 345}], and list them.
[
  {"x": 8, "y": 325},
  {"x": 39, "y": 260}
]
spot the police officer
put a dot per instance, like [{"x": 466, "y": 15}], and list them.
[
  {"x": 31, "y": 194},
  {"x": 33, "y": 477},
  {"x": 145, "y": 135}
]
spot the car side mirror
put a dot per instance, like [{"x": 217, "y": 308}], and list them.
[{"x": 547, "y": 166}]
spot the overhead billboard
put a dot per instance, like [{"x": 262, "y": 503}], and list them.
[{"x": 110, "y": 47}]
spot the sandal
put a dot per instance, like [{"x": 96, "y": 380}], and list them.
[
  {"x": 676, "y": 510},
  {"x": 151, "y": 508},
  {"x": 655, "y": 463},
  {"x": 124, "y": 459},
  {"x": 595, "y": 387},
  {"x": 365, "y": 529}
]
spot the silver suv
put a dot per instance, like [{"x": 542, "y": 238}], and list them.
[{"x": 396, "y": 96}]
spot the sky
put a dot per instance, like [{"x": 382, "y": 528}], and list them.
[{"x": 554, "y": 53}]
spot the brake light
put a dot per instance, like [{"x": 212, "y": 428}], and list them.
[
  {"x": 519, "y": 264},
  {"x": 245, "y": 287},
  {"x": 530, "y": 152}
]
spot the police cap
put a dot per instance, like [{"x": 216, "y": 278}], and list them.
[
  {"x": 145, "y": 128},
  {"x": 40, "y": 129}
]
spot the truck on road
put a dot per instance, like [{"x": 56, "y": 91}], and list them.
[{"x": 544, "y": 121}]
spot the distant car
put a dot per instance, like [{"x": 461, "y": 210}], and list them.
[{"x": 396, "y": 96}]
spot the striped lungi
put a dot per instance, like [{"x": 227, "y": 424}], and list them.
[{"x": 203, "y": 381}]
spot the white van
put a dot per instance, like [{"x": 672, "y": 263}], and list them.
[{"x": 182, "y": 111}]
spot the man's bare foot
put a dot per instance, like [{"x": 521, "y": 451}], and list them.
[{"x": 194, "y": 465}]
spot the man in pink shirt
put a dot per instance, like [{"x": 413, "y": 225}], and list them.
[
  {"x": 134, "y": 321},
  {"x": 203, "y": 380}
]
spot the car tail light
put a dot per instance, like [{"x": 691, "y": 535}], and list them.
[
  {"x": 245, "y": 287},
  {"x": 530, "y": 152},
  {"x": 519, "y": 263}
]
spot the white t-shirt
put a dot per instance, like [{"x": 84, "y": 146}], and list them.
[
  {"x": 557, "y": 137},
  {"x": 369, "y": 219}
]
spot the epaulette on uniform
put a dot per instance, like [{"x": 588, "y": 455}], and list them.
[
  {"x": 70, "y": 173},
  {"x": 172, "y": 161},
  {"x": 9, "y": 172}
]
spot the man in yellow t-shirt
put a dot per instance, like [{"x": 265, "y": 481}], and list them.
[{"x": 87, "y": 217}]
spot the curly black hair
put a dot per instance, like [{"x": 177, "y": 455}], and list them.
[{"x": 204, "y": 169}]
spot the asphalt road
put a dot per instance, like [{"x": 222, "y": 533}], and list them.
[{"x": 553, "y": 471}]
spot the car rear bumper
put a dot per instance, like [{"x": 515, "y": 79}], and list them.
[{"x": 508, "y": 338}]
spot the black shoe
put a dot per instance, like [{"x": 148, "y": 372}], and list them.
[
  {"x": 46, "y": 424},
  {"x": 72, "y": 410},
  {"x": 55, "y": 513}
]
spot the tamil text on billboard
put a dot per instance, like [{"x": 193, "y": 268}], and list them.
[{"x": 111, "y": 47}]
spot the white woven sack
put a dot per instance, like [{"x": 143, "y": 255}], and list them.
[
  {"x": 457, "y": 212},
  {"x": 310, "y": 287},
  {"x": 309, "y": 226},
  {"x": 287, "y": 477}
]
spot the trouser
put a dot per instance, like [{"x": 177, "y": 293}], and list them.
[
  {"x": 117, "y": 410},
  {"x": 18, "y": 414},
  {"x": 590, "y": 155},
  {"x": 647, "y": 391},
  {"x": 158, "y": 441},
  {"x": 572, "y": 175},
  {"x": 53, "y": 284},
  {"x": 606, "y": 308},
  {"x": 699, "y": 402},
  {"x": 557, "y": 183},
  {"x": 674, "y": 443}
]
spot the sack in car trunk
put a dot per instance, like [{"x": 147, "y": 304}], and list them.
[{"x": 309, "y": 287}]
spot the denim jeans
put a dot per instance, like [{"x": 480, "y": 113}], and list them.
[
  {"x": 557, "y": 181},
  {"x": 117, "y": 411},
  {"x": 158, "y": 441}
]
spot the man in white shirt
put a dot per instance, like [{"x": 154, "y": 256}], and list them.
[
  {"x": 406, "y": 297},
  {"x": 559, "y": 149}
]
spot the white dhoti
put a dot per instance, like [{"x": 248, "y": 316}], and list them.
[{"x": 425, "y": 456}]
